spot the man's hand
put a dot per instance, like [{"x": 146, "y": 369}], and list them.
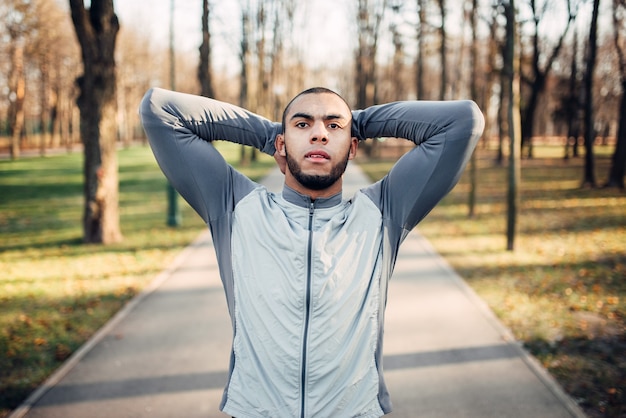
[{"x": 281, "y": 161}]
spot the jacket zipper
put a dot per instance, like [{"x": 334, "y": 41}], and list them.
[{"x": 307, "y": 308}]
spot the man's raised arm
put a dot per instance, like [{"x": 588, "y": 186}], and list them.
[
  {"x": 180, "y": 128},
  {"x": 445, "y": 132}
]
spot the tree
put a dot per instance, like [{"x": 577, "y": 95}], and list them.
[
  {"x": 397, "y": 62},
  {"x": 133, "y": 80},
  {"x": 421, "y": 45},
  {"x": 473, "y": 11},
  {"x": 572, "y": 104},
  {"x": 511, "y": 68},
  {"x": 369, "y": 16},
  {"x": 538, "y": 76},
  {"x": 205, "y": 72},
  {"x": 265, "y": 77},
  {"x": 173, "y": 218},
  {"x": 618, "y": 161},
  {"x": 590, "y": 134},
  {"x": 244, "y": 62},
  {"x": 19, "y": 23},
  {"x": 47, "y": 54},
  {"x": 96, "y": 29},
  {"x": 443, "y": 50},
  {"x": 497, "y": 50}
]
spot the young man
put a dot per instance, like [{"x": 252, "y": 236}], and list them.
[{"x": 305, "y": 273}]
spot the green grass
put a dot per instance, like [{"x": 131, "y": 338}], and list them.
[
  {"x": 562, "y": 291},
  {"x": 55, "y": 292}
]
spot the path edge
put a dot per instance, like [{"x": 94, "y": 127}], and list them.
[
  {"x": 103, "y": 331},
  {"x": 531, "y": 362}
]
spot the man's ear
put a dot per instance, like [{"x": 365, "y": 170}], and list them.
[
  {"x": 279, "y": 144},
  {"x": 354, "y": 144}
]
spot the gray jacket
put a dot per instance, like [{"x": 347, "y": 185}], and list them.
[{"x": 306, "y": 281}]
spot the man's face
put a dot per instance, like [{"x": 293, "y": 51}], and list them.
[{"x": 317, "y": 143}]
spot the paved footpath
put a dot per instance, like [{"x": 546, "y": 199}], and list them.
[{"x": 166, "y": 353}]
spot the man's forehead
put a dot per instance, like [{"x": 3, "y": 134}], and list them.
[{"x": 319, "y": 105}]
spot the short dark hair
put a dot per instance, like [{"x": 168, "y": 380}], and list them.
[{"x": 312, "y": 90}]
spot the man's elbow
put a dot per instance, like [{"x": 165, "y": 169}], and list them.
[
  {"x": 473, "y": 118},
  {"x": 148, "y": 105}
]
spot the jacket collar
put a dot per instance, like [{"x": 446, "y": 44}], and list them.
[{"x": 292, "y": 196}]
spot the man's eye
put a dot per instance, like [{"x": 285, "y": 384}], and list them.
[
  {"x": 301, "y": 124},
  {"x": 333, "y": 126}
]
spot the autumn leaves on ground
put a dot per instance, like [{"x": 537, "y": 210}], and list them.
[
  {"x": 561, "y": 292},
  {"x": 55, "y": 292}
]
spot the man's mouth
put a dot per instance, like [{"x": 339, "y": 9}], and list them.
[{"x": 317, "y": 155}]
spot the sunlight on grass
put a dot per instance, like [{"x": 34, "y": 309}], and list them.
[
  {"x": 562, "y": 291},
  {"x": 55, "y": 292}
]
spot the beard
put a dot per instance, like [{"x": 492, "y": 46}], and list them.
[{"x": 317, "y": 181}]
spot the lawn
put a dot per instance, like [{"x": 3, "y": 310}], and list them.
[
  {"x": 562, "y": 291},
  {"x": 55, "y": 292}
]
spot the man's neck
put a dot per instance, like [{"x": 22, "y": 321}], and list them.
[
  {"x": 313, "y": 194},
  {"x": 304, "y": 200}
]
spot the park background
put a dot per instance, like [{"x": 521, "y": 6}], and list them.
[{"x": 537, "y": 225}]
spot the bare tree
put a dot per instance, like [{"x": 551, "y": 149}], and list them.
[
  {"x": 369, "y": 16},
  {"x": 205, "y": 72},
  {"x": 443, "y": 50},
  {"x": 536, "y": 80},
  {"x": 397, "y": 66},
  {"x": 263, "y": 52},
  {"x": 134, "y": 77},
  {"x": 45, "y": 51},
  {"x": 244, "y": 62},
  {"x": 421, "y": 45},
  {"x": 590, "y": 134},
  {"x": 96, "y": 29},
  {"x": 472, "y": 15},
  {"x": 244, "y": 55},
  {"x": 38, "y": 60},
  {"x": 277, "y": 62},
  {"x": 511, "y": 69},
  {"x": 19, "y": 23},
  {"x": 173, "y": 216},
  {"x": 572, "y": 104},
  {"x": 497, "y": 49},
  {"x": 618, "y": 161}
]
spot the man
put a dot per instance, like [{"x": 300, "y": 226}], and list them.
[{"x": 305, "y": 273}]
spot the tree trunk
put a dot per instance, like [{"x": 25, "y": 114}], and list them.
[
  {"x": 18, "y": 90},
  {"x": 511, "y": 63},
  {"x": 45, "y": 111},
  {"x": 96, "y": 30},
  {"x": 573, "y": 104},
  {"x": 528, "y": 121},
  {"x": 589, "y": 179},
  {"x": 421, "y": 45},
  {"x": 205, "y": 74},
  {"x": 473, "y": 93},
  {"x": 618, "y": 161},
  {"x": 244, "y": 56},
  {"x": 173, "y": 217},
  {"x": 443, "y": 52},
  {"x": 538, "y": 77},
  {"x": 503, "y": 130}
]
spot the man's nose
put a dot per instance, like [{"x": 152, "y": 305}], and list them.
[{"x": 319, "y": 133}]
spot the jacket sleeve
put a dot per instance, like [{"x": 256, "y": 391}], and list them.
[
  {"x": 445, "y": 132},
  {"x": 180, "y": 128}
]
